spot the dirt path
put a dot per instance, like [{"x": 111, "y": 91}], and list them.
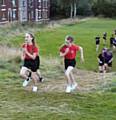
[{"x": 87, "y": 80}]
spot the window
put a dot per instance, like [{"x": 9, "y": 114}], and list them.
[
  {"x": 23, "y": 3},
  {"x": 13, "y": 3},
  {"x": 31, "y": 15},
  {"x": 2, "y": 2},
  {"x": 3, "y": 16},
  {"x": 39, "y": 4},
  {"x": 45, "y": 3},
  {"x": 14, "y": 14},
  {"x": 39, "y": 14},
  {"x": 31, "y": 3},
  {"x": 45, "y": 14}
]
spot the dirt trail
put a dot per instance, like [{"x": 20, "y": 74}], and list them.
[{"x": 87, "y": 80}]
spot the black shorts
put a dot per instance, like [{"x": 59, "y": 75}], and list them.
[
  {"x": 69, "y": 62},
  {"x": 32, "y": 64},
  {"x": 37, "y": 61},
  {"x": 97, "y": 42},
  {"x": 104, "y": 38}
]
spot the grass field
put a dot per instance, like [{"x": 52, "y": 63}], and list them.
[
  {"x": 97, "y": 100},
  {"x": 50, "y": 39}
]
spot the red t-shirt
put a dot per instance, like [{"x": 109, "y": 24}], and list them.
[
  {"x": 72, "y": 51},
  {"x": 31, "y": 49}
]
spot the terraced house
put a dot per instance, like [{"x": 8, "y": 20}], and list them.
[{"x": 24, "y": 10}]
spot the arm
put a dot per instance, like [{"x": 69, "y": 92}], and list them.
[
  {"x": 63, "y": 54},
  {"x": 99, "y": 60},
  {"x": 82, "y": 56},
  {"x": 110, "y": 60},
  {"x": 33, "y": 56}
]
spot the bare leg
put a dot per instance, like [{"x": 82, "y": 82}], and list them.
[
  {"x": 68, "y": 79},
  {"x": 72, "y": 78},
  {"x": 24, "y": 73},
  {"x": 97, "y": 48},
  {"x": 69, "y": 82},
  {"x": 40, "y": 78},
  {"x": 34, "y": 79},
  {"x": 38, "y": 73},
  {"x": 74, "y": 83}
]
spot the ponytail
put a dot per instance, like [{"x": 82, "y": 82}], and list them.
[{"x": 33, "y": 38}]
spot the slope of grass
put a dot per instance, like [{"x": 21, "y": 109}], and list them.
[{"x": 84, "y": 32}]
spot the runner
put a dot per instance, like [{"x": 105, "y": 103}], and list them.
[
  {"x": 97, "y": 39},
  {"x": 108, "y": 60},
  {"x": 69, "y": 51},
  {"x": 105, "y": 59},
  {"x": 105, "y": 37},
  {"x": 111, "y": 40},
  {"x": 31, "y": 61},
  {"x": 101, "y": 61},
  {"x": 114, "y": 44}
]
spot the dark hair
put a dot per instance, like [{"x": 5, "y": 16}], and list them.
[
  {"x": 33, "y": 38},
  {"x": 69, "y": 38}
]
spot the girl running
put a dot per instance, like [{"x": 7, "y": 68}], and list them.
[
  {"x": 69, "y": 51},
  {"x": 31, "y": 61},
  {"x": 105, "y": 37}
]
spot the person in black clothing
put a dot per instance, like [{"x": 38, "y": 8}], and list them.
[
  {"x": 114, "y": 43},
  {"x": 105, "y": 59},
  {"x": 104, "y": 37},
  {"x": 115, "y": 32},
  {"x": 101, "y": 62},
  {"x": 108, "y": 56},
  {"x": 97, "y": 39},
  {"x": 111, "y": 40}
]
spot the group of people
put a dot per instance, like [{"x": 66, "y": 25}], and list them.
[
  {"x": 112, "y": 40},
  {"x": 30, "y": 57}
]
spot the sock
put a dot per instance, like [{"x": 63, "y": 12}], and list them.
[{"x": 29, "y": 76}]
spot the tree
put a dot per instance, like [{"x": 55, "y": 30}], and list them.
[{"x": 72, "y": 4}]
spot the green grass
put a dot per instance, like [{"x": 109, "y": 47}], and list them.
[
  {"x": 84, "y": 32},
  {"x": 19, "y": 104}
]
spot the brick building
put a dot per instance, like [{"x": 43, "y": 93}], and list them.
[{"x": 24, "y": 10}]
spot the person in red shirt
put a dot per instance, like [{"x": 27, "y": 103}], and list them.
[
  {"x": 31, "y": 61},
  {"x": 69, "y": 51}
]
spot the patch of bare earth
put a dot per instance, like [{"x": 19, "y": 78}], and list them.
[{"x": 88, "y": 82}]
